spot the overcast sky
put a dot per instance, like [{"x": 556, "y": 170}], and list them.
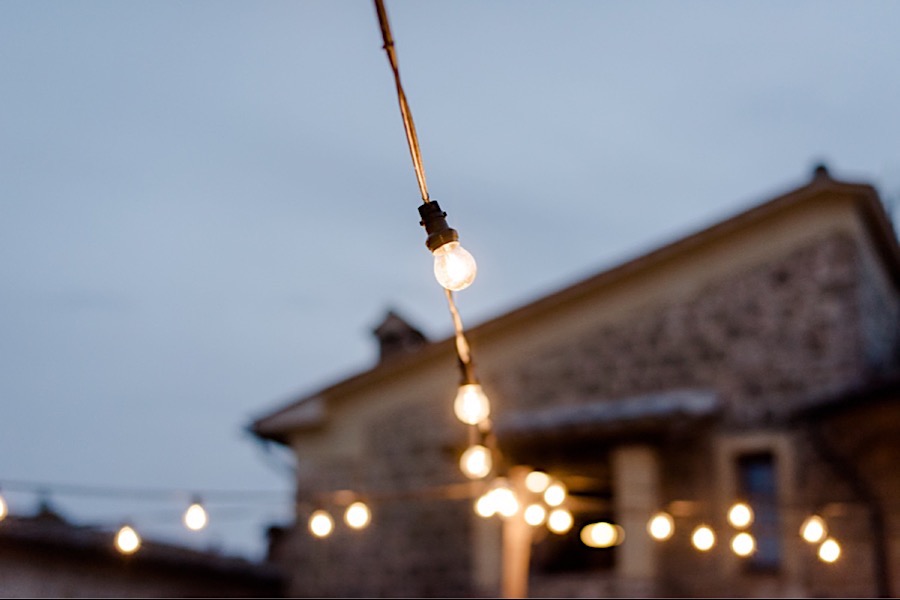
[{"x": 205, "y": 207}]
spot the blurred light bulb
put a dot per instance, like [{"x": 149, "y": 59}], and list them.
[
  {"x": 321, "y": 524},
  {"x": 454, "y": 267},
  {"x": 740, "y": 515},
  {"x": 127, "y": 540},
  {"x": 661, "y": 526},
  {"x": 555, "y": 494},
  {"x": 475, "y": 462},
  {"x": 485, "y": 506},
  {"x": 357, "y": 515},
  {"x": 743, "y": 544},
  {"x": 4, "y": 509},
  {"x": 703, "y": 538},
  {"x": 195, "y": 517},
  {"x": 535, "y": 515},
  {"x": 506, "y": 502},
  {"x": 471, "y": 405},
  {"x": 537, "y": 482},
  {"x": 813, "y": 529},
  {"x": 830, "y": 550},
  {"x": 560, "y": 521},
  {"x": 600, "y": 535}
]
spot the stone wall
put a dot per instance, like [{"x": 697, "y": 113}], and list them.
[
  {"x": 419, "y": 543},
  {"x": 767, "y": 340}
]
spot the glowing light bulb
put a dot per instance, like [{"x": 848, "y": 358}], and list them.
[
  {"x": 475, "y": 462},
  {"x": 321, "y": 524},
  {"x": 829, "y": 551},
  {"x": 537, "y": 482},
  {"x": 454, "y": 267},
  {"x": 471, "y": 405},
  {"x": 195, "y": 517},
  {"x": 555, "y": 494},
  {"x": 485, "y": 506},
  {"x": 661, "y": 526},
  {"x": 560, "y": 521},
  {"x": 600, "y": 535},
  {"x": 357, "y": 515},
  {"x": 4, "y": 509},
  {"x": 813, "y": 529},
  {"x": 740, "y": 515},
  {"x": 506, "y": 502},
  {"x": 535, "y": 515},
  {"x": 703, "y": 538},
  {"x": 743, "y": 544},
  {"x": 127, "y": 540}
]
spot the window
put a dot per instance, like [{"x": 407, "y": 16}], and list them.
[{"x": 757, "y": 484}]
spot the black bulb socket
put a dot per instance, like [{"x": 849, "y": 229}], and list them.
[{"x": 434, "y": 220}]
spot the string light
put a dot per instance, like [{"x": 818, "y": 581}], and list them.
[
  {"x": 555, "y": 494},
  {"x": 507, "y": 505},
  {"x": 602, "y": 535},
  {"x": 321, "y": 524},
  {"x": 357, "y": 515},
  {"x": 471, "y": 405},
  {"x": 813, "y": 529},
  {"x": 661, "y": 526},
  {"x": 535, "y": 515},
  {"x": 485, "y": 506},
  {"x": 195, "y": 517},
  {"x": 703, "y": 538},
  {"x": 740, "y": 515},
  {"x": 743, "y": 544},
  {"x": 127, "y": 540},
  {"x": 829, "y": 550},
  {"x": 537, "y": 482},
  {"x": 476, "y": 462},
  {"x": 560, "y": 521},
  {"x": 454, "y": 267}
]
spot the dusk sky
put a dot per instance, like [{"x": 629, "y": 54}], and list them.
[{"x": 206, "y": 206}]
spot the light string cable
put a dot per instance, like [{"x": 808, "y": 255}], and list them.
[
  {"x": 462, "y": 345},
  {"x": 408, "y": 125}
]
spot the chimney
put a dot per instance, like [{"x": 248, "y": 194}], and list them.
[{"x": 397, "y": 337}]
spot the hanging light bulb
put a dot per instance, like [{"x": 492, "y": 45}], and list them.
[
  {"x": 740, "y": 515},
  {"x": 321, "y": 524},
  {"x": 471, "y": 405},
  {"x": 560, "y": 521},
  {"x": 127, "y": 540},
  {"x": 829, "y": 551},
  {"x": 500, "y": 499},
  {"x": 743, "y": 544},
  {"x": 505, "y": 500},
  {"x": 703, "y": 538},
  {"x": 357, "y": 515},
  {"x": 661, "y": 526},
  {"x": 476, "y": 462},
  {"x": 195, "y": 517},
  {"x": 813, "y": 529},
  {"x": 535, "y": 515},
  {"x": 454, "y": 267},
  {"x": 599, "y": 535},
  {"x": 555, "y": 494},
  {"x": 537, "y": 482},
  {"x": 485, "y": 506}
]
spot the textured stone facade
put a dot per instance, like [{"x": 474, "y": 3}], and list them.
[{"x": 767, "y": 340}]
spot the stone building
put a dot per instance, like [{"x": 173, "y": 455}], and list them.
[
  {"x": 44, "y": 556},
  {"x": 757, "y": 359}
]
